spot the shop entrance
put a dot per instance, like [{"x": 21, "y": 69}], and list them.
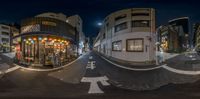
[{"x": 44, "y": 51}]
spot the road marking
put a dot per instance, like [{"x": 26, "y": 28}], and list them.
[
  {"x": 12, "y": 69},
  {"x": 194, "y": 59},
  {"x": 178, "y": 71},
  {"x": 91, "y": 65},
  {"x": 5, "y": 68},
  {"x": 91, "y": 57},
  {"x": 94, "y": 88},
  {"x": 129, "y": 68}
]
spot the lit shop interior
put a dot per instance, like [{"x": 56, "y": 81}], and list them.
[{"x": 44, "y": 50}]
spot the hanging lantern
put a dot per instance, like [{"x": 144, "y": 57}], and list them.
[
  {"x": 32, "y": 42},
  {"x": 34, "y": 39},
  {"x": 45, "y": 38},
  {"x": 50, "y": 39}
]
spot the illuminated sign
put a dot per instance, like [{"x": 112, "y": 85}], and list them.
[
  {"x": 48, "y": 23},
  {"x": 30, "y": 28}
]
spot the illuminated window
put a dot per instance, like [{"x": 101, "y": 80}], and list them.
[
  {"x": 48, "y": 23},
  {"x": 117, "y": 46},
  {"x": 135, "y": 45}
]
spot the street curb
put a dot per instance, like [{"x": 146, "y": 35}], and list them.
[
  {"x": 48, "y": 70},
  {"x": 129, "y": 68},
  {"x": 178, "y": 71}
]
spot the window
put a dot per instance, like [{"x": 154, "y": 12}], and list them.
[
  {"x": 5, "y": 33},
  {"x": 4, "y": 27},
  {"x": 140, "y": 14},
  {"x": 117, "y": 46},
  {"x": 4, "y": 40},
  {"x": 140, "y": 23},
  {"x": 135, "y": 45},
  {"x": 121, "y": 26},
  {"x": 120, "y": 17}
]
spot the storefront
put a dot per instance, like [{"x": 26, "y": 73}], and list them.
[
  {"x": 45, "y": 44},
  {"x": 44, "y": 50}
]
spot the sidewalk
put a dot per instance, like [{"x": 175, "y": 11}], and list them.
[{"x": 188, "y": 62}]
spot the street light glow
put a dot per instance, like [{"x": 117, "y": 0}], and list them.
[{"x": 99, "y": 24}]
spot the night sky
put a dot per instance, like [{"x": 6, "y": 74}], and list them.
[{"x": 94, "y": 11}]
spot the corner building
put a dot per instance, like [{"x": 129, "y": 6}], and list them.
[
  {"x": 128, "y": 36},
  {"x": 43, "y": 37}
]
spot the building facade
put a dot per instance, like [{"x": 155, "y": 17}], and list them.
[
  {"x": 180, "y": 27},
  {"x": 58, "y": 16},
  {"x": 77, "y": 22},
  {"x": 196, "y": 30},
  {"x": 6, "y": 32},
  {"x": 174, "y": 37},
  {"x": 45, "y": 41},
  {"x": 128, "y": 35}
]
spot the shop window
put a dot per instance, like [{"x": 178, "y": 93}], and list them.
[
  {"x": 117, "y": 46},
  {"x": 135, "y": 45},
  {"x": 120, "y": 27},
  {"x": 140, "y": 23}
]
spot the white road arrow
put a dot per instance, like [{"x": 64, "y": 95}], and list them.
[{"x": 94, "y": 88}]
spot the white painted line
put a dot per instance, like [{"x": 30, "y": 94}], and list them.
[
  {"x": 178, "y": 71},
  {"x": 12, "y": 69},
  {"x": 94, "y": 88},
  {"x": 129, "y": 68},
  {"x": 90, "y": 57},
  {"x": 104, "y": 81},
  {"x": 194, "y": 59}
]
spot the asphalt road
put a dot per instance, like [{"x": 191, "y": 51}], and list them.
[{"x": 66, "y": 83}]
